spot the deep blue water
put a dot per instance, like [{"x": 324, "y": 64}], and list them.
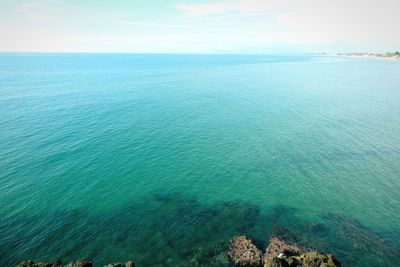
[{"x": 163, "y": 158}]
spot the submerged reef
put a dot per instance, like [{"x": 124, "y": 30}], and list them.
[
  {"x": 79, "y": 263},
  {"x": 162, "y": 230},
  {"x": 240, "y": 251},
  {"x": 171, "y": 229}
]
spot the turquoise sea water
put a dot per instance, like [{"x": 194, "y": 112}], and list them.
[{"x": 162, "y": 158}]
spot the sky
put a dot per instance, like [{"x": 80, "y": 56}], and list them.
[{"x": 200, "y": 26}]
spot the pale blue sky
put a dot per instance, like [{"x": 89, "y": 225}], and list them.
[{"x": 178, "y": 26}]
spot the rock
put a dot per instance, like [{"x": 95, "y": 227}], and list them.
[
  {"x": 244, "y": 253},
  {"x": 32, "y": 264},
  {"x": 26, "y": 264},
  {"x": 128, "y": 264},
  {"x": 54, "y": 264},
  {"x": 80, "y": 263},
  {"x": 308, "y": 259},
  {"x": 315, "y": 258},
  {"x": 293, "y": 261},
  {"x": 276, "y": 262},
  {"x": 277, "y": 246},
  {"x": 287, "y": 253}
]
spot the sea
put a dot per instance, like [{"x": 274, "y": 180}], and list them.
[{"x": 163, "y": 158}]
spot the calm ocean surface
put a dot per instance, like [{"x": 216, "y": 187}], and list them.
[{"x": 161, "y": 158}]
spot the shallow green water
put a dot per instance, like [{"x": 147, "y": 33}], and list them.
[{"x": 161, "y": 158}]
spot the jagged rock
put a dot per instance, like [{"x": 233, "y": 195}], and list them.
[
  {"x": 244, "y": 253},
  {"x": 277, "y": 246},
  {"x": 26, "y": 264},
  {"x": 307, "y": 259},
  {"x": 283, "y": 251},
  {"x": 315, "y": 258},
  {"x": 276, "y": 262},
  {"x": 80, "y": 263},
  {"x": 128, "y": 264},
  {"x": 32, "y": 264}
]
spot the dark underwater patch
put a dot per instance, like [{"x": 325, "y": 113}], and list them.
[
  {"x": 354, "y": 238},
  {"x": 170, "y": 230},
  {"x": 164, "y": 196},
  {"x": 176, "y": 230}
]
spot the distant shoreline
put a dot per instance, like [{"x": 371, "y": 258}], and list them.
[{"x": 386, "y": 56}]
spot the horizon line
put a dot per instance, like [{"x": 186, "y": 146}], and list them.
[{"x": 156, "y": 53}]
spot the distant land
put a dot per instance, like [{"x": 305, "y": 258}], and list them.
[{"x": 388, "y": 55}]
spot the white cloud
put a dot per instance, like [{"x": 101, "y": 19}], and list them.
[
  {"x": 137, "y": 23},
  {"x": 241, "y": 7},
  {"x": 313, "y": 21},
  {"x": 47, "y": 25}
]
